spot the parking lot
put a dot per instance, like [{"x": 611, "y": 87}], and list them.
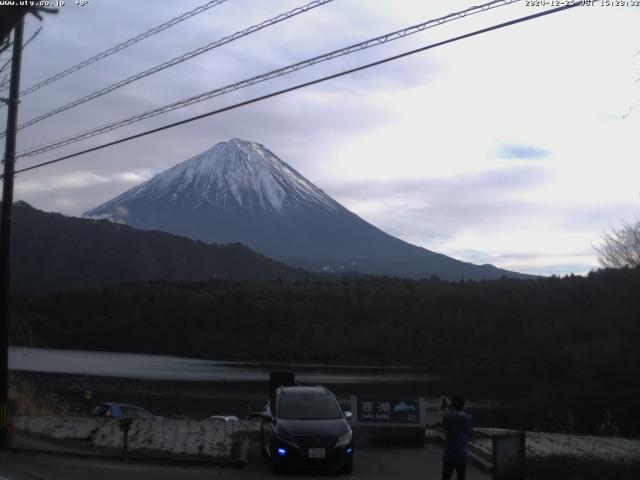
[
  {"x": 371, "y": 464},
  {"x": 375, "y": 463}
]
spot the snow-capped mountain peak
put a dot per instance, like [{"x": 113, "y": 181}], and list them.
[{"x": 233, "y": 174}]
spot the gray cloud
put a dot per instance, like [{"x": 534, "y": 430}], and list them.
[
  {"x": 437, "y": 210},
  {"x": 476, "y": 185},
  {"x": 564, "y": 264},
  {"x": 329, "y": 113},
  {"x": 522, "y": 151},
  {"x": 484, "y": 201},
  {"x": 432, "y": 212}
]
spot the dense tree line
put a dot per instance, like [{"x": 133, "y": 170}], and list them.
[{"x": 577, "y": 337}]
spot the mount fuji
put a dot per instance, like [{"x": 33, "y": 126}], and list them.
[{"x": 239, "y": 191}]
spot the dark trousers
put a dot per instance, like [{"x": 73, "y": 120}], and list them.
[{"x": 448, "y": 468}]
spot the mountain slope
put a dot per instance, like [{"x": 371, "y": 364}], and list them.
[
  {"x": 239, "y": 191},
  {"x": 54, "y": 251}
]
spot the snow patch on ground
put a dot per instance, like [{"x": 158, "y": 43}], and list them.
[
  {"x": 542, "y": 444},
  {"x": 61, "y": 428},
  {"x": 212, "y": 439}
]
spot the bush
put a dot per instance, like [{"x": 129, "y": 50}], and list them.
[{"x": 26, "y": 399}]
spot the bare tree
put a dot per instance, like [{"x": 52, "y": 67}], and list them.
[{"x": 620, "y": 247}]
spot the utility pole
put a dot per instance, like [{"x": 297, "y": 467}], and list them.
[{"x": 5, "y": 225}]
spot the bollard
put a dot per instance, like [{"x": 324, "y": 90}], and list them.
[
  {"x": 509, "y": 456},
  {"x": 125, "y": 426}
]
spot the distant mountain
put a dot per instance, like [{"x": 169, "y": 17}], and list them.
[
  {"x": 54, "y": 251},
  {"x": 239, "y": 191}
]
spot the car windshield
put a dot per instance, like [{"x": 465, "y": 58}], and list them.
[{"x": 308, "y": 407}]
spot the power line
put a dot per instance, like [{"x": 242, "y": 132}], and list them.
[
  {"x": 123, "y": 45},
  {"x": 6, "y": 45},
  {"x": 8, "y": 62},
  {"x": 267, "y": 76},
  {"x": 34, "y": 35},
  {"x": 175, "y": 61},
  {"x": 5, "y": 81},
  {"x": 305, "y": 84}
]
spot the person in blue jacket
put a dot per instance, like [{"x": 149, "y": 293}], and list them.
[{"x": 457, "y": 425}]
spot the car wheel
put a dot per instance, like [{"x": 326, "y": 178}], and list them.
[{"x": 347, "y": 468}]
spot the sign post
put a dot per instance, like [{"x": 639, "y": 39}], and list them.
[{"x": 386, "y": 419}]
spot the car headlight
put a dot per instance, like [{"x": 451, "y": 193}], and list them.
[{"x": 344, "y": 439}]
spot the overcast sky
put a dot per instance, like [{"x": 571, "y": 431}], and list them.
[{"x": 514, "y": 148}]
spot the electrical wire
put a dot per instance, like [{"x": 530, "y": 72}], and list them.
[
  {"x": 175, "y": 61},
  {"x": 8, "y": 62},
  {"x": 122, "y": 46},
  {"x": 266, "y": 76},
  {"x": 306, "y": 84}
]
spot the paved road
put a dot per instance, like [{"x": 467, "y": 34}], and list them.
[{"x": 370, "y": 464}]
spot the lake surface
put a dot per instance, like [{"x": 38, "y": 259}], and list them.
[
  {"x": 198, "y": 388},
  {"x": 158, "y": 367}
]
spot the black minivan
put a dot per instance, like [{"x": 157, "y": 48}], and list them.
[{"x": 305, "y": 426}]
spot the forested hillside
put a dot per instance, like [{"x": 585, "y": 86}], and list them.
[{"x": 52, "y": 251}]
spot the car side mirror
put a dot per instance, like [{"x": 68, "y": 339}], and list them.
[{"x": 348, "y": 415}]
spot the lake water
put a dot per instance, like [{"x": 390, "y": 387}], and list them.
[
  {"x": 158, "y": 367},
  {"x": 199, "y": 388}
]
